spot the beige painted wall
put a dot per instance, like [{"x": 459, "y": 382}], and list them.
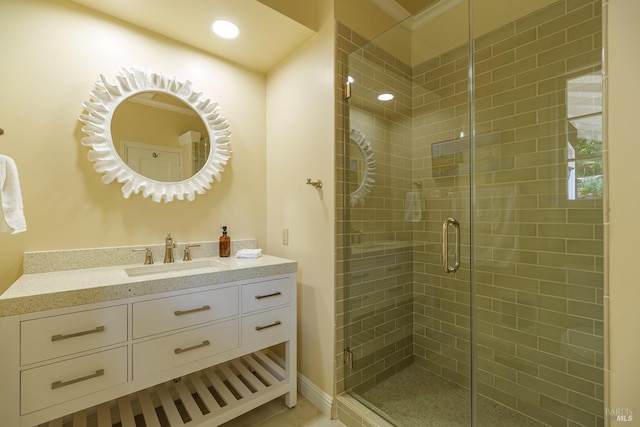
[
  {"x": 624, "y": 233},
  {"x": 300, "y": 137},
  {"x": 52, "y": 53}
]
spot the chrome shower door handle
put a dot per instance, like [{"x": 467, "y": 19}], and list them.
[{"x": 445, "y": 245}]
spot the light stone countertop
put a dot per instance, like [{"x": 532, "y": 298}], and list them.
[{"x": 57, "y": 289}]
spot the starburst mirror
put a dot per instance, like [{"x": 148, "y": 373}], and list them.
[
  {"x": 361, "y": 169},
  {"x": 155, "y": 134}
]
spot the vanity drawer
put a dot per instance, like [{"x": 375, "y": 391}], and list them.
[
  {"x": 265, "y": 326},
  {"x": 49, "y": 337},
  {"x": 62, "y": 381},
  {"x": 168, "y": 352},
  {"x": 264, "y": 295},
  {"x": 167, "y": 314}
]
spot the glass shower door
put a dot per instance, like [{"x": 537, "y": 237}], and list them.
[
  {"x": 487, "y": 154},
  {"x": 537, "y": 191},
  {"x": 406, "y": 319}
]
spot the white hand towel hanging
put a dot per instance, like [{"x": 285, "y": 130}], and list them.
[
  {"x": 11, "y": 210},
  {"x": 413, "y": 207}
]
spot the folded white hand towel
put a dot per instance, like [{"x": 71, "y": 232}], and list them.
[
  {"x": 413, "y": 207},
  {"x": 11, "y": 212},
  {"x": 249, "y": 253}
]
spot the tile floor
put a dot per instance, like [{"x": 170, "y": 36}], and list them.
[
  {"x": 276, "y": 414},
  {"x": 416, "y": 397}
]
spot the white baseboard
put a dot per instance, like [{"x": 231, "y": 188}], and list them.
[{"x": 317, "y": 397}]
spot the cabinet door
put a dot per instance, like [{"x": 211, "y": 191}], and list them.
[
  {"x": 54, "y": 336},
  {"x": 171, "y": 313},
  {"x": 59, "y": 382}
]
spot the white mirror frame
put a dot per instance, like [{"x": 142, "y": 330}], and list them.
[
  {"x": 104, "y": 100},
  {"x": 366, "y": 184}
]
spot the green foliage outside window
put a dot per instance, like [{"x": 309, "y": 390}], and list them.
[{"x": 589, "y": 168}]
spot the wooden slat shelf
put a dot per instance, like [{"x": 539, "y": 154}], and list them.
[{"x": 205, "y": 398}]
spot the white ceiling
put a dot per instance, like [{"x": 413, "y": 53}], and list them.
[{"x": 266, "y": 36}]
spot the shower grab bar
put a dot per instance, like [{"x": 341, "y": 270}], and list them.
[{"x": 445, "y": 245}]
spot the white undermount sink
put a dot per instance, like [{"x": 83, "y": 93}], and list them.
[{"x": 144, "y": 270}]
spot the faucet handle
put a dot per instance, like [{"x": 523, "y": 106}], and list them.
[
  {"x": 187, "y": 252},
  {"x": 148, "y": 256}
]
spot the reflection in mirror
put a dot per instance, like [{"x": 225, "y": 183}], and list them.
[
  {"x": 159, "y": 136},
  {"x": 361, "y": 168},
  {"x": 134, "y": 146}
]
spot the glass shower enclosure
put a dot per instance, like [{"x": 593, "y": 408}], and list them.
[{"x": 472, "y": 222}]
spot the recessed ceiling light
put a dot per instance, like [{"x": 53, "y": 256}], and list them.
[
  {"x": 385, "y": 97},
  {"x": 225, "y": 29}
]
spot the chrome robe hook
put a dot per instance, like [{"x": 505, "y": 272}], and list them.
[{"x": 317, "y": 184}]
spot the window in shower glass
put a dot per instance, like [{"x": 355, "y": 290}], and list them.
[{"x": 584, "y": 136}]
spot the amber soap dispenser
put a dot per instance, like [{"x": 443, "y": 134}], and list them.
[{"x": 225, "y": 243}]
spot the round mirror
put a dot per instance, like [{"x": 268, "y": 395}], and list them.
[
  {"x": 156, "y": 135},
  {"x": 361, "y": 168},
  {"x": 159, "y": 136}
]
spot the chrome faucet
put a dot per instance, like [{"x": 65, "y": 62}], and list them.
[{"x": 169, "y": 246}]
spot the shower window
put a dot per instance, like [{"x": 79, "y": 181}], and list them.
[{"x": 584, "y": 136}]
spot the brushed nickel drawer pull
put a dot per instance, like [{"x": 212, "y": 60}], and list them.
[
  {"x": 59, "y": 384},
  {"x": 182, "y": 350},
  {"x": 77, "y": 334},
  {"x": 275, "y": 294},
  {"x": 276, "y": 323},
  {"x": 193, "y": 310}
]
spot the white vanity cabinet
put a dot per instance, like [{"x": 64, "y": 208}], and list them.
[{"x": 192, "y": 357}]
